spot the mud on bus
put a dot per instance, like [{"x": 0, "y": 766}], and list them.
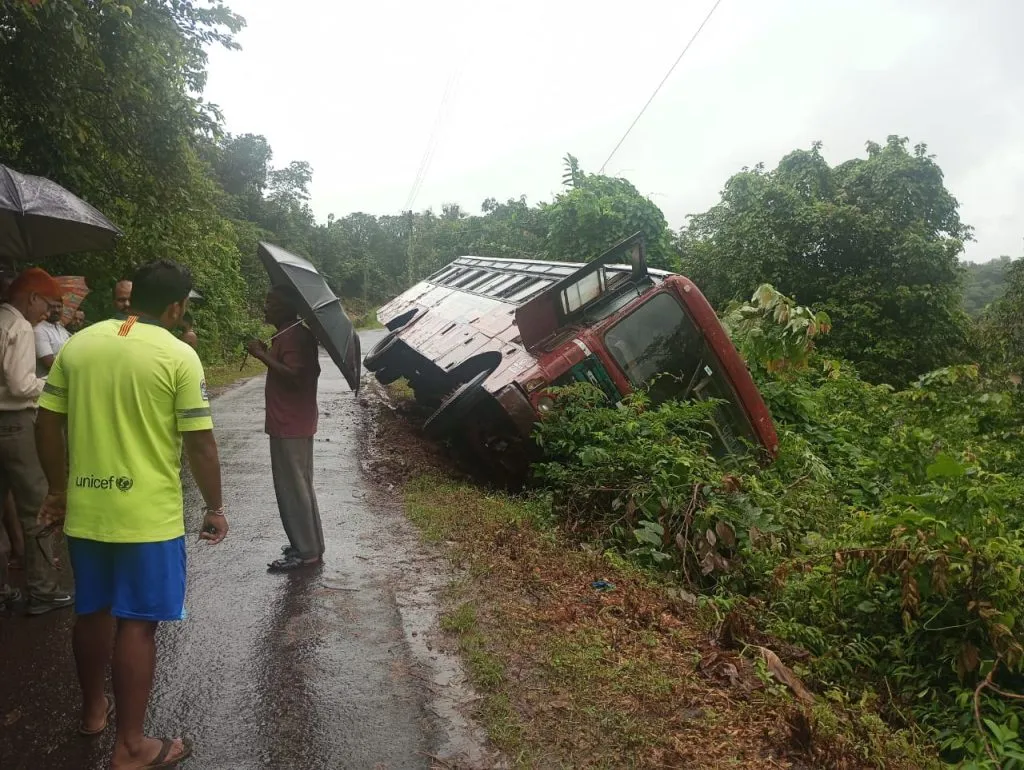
[{"x": 482, "y": 341}]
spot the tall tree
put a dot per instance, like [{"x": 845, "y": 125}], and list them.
[
  {"x": 873, "y": 241},
  {"x": 103, "y": 98},
  {"x": 1000, "y": 327},
  {"x": 596, "y": 212}
]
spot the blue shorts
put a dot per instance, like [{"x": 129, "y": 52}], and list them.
[{"x": 135, "y": 581}]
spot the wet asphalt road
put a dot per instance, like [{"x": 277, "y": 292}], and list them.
[{"x": 329, "y": 669}]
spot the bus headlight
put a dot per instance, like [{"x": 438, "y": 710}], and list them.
[{"x": 545, "y": 404}]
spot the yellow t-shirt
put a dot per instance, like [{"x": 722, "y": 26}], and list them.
[{"x": 129, "y": 389}]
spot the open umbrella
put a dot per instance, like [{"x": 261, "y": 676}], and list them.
[
  {"x": 321, "y": 309},
  {"x": 39, "y": 219},
  {"x": 73, "y": 291}
]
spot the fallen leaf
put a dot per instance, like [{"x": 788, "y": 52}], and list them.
[
  {"x": 726, "y": 534},
  {"x": 783, "y": 674}
]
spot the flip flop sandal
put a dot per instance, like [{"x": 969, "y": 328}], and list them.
[
  {"x": 290, "y": 563},
  {"x": 161, "y": 759},
  {"x": 106, "y": 720}
]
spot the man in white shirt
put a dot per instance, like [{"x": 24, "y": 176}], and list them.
[
  {"x": 50, "y": 338},
  {"x": 30, "y": 297}
]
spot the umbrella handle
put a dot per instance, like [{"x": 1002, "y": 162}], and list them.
[
  {"x": 246, "y": 356},
  {"x": 287, "y": 328}
]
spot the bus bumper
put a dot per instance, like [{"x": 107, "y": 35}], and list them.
[{"x": 519, "y": 409}]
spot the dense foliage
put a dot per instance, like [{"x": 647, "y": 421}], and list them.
[
  {"x": 104, "y": 97},
  {"x": 884, "y": 544},
  {"x": 101, "y": 97},
  {"x": 873, "y": 241},
  {"x": 984, "y": 284},
  {"x": 884, "y": 541},
  {"x": 1000, "y": 329}
]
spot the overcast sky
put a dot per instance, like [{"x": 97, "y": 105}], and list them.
[{"x": 355, "y": 89}]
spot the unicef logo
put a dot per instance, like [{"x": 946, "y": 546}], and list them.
[{"x": 122, "y": 483}]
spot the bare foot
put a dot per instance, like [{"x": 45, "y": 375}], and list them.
[{"x": 149, "y": 751}]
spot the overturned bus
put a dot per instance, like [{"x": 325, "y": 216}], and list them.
[{"x": 483, "y": 340}]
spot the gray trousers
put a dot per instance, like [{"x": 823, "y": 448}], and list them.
[
  {"x": 21, "y": 472},
  {"x": 291, "y": 461}
]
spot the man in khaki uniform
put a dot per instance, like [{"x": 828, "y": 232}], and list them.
[{"x": 31, "y": 296}]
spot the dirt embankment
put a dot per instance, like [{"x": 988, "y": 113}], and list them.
[{"x": 584, "y": 661}]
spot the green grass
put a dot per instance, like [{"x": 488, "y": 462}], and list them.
[
  {"x": 362, "y": 315},
  {"x": 222, "y": 375},
  {"x": 487, "y": 672},
  {"x": 461, "y": 620},
  {"x": 570, "y": 678},
  {"x": 400, "y": 391},
  {"x": 444, "y": 510},
  {"x": 369, "y": 323}
]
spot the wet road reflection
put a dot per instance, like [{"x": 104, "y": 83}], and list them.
[{"x": 297, "y": 671}]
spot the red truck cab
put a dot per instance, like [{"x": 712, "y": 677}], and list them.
[{"x": 483, "y": 340}]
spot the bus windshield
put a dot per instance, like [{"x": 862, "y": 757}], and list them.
[{"x": 661, "y": 350}]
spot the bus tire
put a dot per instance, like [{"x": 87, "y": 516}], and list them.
[
  {"x": 457, "y": 407},
  {"x": 376, "y": 358},
  {"x": 428, "y": 392}
]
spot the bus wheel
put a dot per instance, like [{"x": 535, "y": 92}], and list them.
[
  {"x": 496, "y": 442},
  {"x": 456, "y": 407},
  {"x": 377, "y": 357},
  {"x": 427, "y": 393}
]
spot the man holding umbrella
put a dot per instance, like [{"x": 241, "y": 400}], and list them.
[{"x": 293, "y": 369}]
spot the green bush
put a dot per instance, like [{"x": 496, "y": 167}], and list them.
[{"x": 886, "y": 539}]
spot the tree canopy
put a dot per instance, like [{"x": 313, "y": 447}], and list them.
[
  {"x": 596, "y": 212},
  {"x": 102, "y": 97},
  {"x": 106, "y": 98},
  {"x": 985, "y": 282},
  {"x": 873, "y": 241}
]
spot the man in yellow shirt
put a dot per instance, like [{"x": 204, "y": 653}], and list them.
[{"x": 128, "y": 394}]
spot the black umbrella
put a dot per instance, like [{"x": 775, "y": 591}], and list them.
[
  {"x": 321, "y": 309},
  {"x": 39, "y": 219}
]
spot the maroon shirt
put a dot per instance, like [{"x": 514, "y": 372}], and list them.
[{"x": 291, "y": 404}]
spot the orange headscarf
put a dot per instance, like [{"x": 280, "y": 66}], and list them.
[{"x": 38, "y": 281}]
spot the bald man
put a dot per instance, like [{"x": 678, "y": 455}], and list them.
[{"x": 122, "y": 296}]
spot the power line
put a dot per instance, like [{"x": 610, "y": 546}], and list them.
[
  {"x": 663, "y": 81},
  {"x": 445, "y": 108},
  {"x": 435, "y": 134}
]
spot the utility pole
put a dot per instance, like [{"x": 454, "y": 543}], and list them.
[{"x": 408, "y": 255}]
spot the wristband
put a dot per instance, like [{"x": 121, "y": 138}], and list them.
[{"x": 214, "y": 511}]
